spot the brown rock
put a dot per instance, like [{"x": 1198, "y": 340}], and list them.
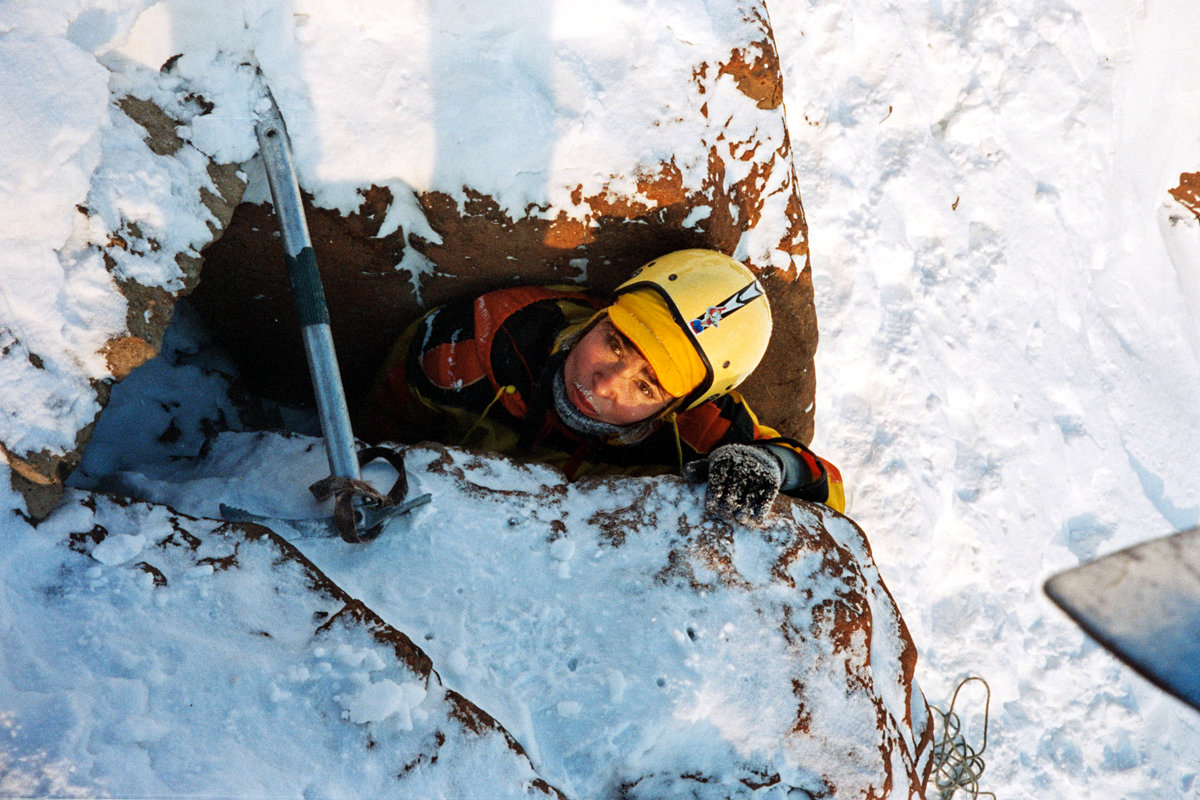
[
  {"x": 126, "y": 354},
  {"x": 1188, "y": 191},
  {"x": 39, "y": 477}
]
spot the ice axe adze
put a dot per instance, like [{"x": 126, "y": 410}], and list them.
[
  {"x": 360, "y": 511},
  {"x": 1143, "y": 604}
]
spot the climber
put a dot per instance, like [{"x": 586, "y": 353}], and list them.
[{"x": 642, "y": 382}]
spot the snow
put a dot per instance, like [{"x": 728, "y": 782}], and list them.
[
  {"x": 197, "y": 673},
  {"x": 554, "y": 608},
  {"x": 1009, "y": 304},
  {"x": 1008, "y": 364},
  {"x": 37, "y": 218}
]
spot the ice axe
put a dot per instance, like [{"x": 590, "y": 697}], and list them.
[{"x": 360, "y": 511}]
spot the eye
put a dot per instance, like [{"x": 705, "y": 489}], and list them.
[
  {"x": 646, "y": 389},
  {"x": 614, "y": 343}
]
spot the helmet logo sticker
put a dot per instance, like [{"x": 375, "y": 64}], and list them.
[
  {"x": 710, "y": 319},
  {"x": 713, "y": 315}
]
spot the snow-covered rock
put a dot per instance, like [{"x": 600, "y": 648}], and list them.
[
  {"x": 630, "y": 645},
  {"x": 633, "y": 646},
  {"x": 150, "y": 654},
  {"x": 602, "y": 639},
  {"x": 116, "y": 207},
  {"x": 444, "y": 151}
]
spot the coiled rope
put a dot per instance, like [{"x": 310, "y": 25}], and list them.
[{"x": 956, "y": 765}]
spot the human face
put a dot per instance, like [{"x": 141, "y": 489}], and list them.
[{"x": 609, "y": 380}]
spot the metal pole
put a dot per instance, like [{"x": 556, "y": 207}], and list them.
[{"x": 305, "y": 279}]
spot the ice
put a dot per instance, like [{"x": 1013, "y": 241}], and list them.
[
  {"x": 118, "y": 549},
  {"x": 385, "y": 698}
]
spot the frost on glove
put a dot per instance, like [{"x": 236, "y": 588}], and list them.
[{"x": 743, "y": 482}]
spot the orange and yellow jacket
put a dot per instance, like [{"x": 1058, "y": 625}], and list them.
[{"x": 477, "y": 373}]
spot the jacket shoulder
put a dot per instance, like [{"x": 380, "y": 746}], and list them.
[{"x": 493, "y": 309}]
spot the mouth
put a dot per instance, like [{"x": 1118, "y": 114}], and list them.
[{"x": 581, "y": 399}]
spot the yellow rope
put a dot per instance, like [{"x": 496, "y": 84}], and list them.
[
  {"x": 503, "y": 390},
  {"x": 678, "y": 442}
]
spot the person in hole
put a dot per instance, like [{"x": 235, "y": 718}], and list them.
[{"x": 642, "y": 382}]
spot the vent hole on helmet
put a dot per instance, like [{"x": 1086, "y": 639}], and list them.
[
  {"x": 672, "y": 276},
  {"x": 729, "y": 388},
  {"x": 725, "y": 365}
]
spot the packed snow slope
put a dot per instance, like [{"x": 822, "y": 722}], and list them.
[{"x": 1010, "y": 315}]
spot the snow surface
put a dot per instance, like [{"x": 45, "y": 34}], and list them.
[
  {"x": 196, "y": 672},
  {"x": 1008, "y": 363},
  {"x": 613, "y": 642},
  {"x": 1009, "y": 299}
]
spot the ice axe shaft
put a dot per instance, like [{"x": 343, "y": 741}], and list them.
[
  {"x": 276, "y": 150},
  {"x": 359, "y": 510}
]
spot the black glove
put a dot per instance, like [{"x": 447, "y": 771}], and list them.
[{"x": 743, "y": 482}]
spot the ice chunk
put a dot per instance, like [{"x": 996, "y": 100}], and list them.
[
  {"x": 382, "y": 699},
  {"x": 119, "y": 548}
]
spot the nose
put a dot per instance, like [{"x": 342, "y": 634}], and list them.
[{"x": 605, "y": 380}]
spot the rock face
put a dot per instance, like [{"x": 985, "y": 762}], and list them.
[
  {"x": 634, "y": 647},
  {"x": 730, "y": 186}
]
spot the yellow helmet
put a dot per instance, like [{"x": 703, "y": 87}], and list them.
[{"x": 721, "y": 307}]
